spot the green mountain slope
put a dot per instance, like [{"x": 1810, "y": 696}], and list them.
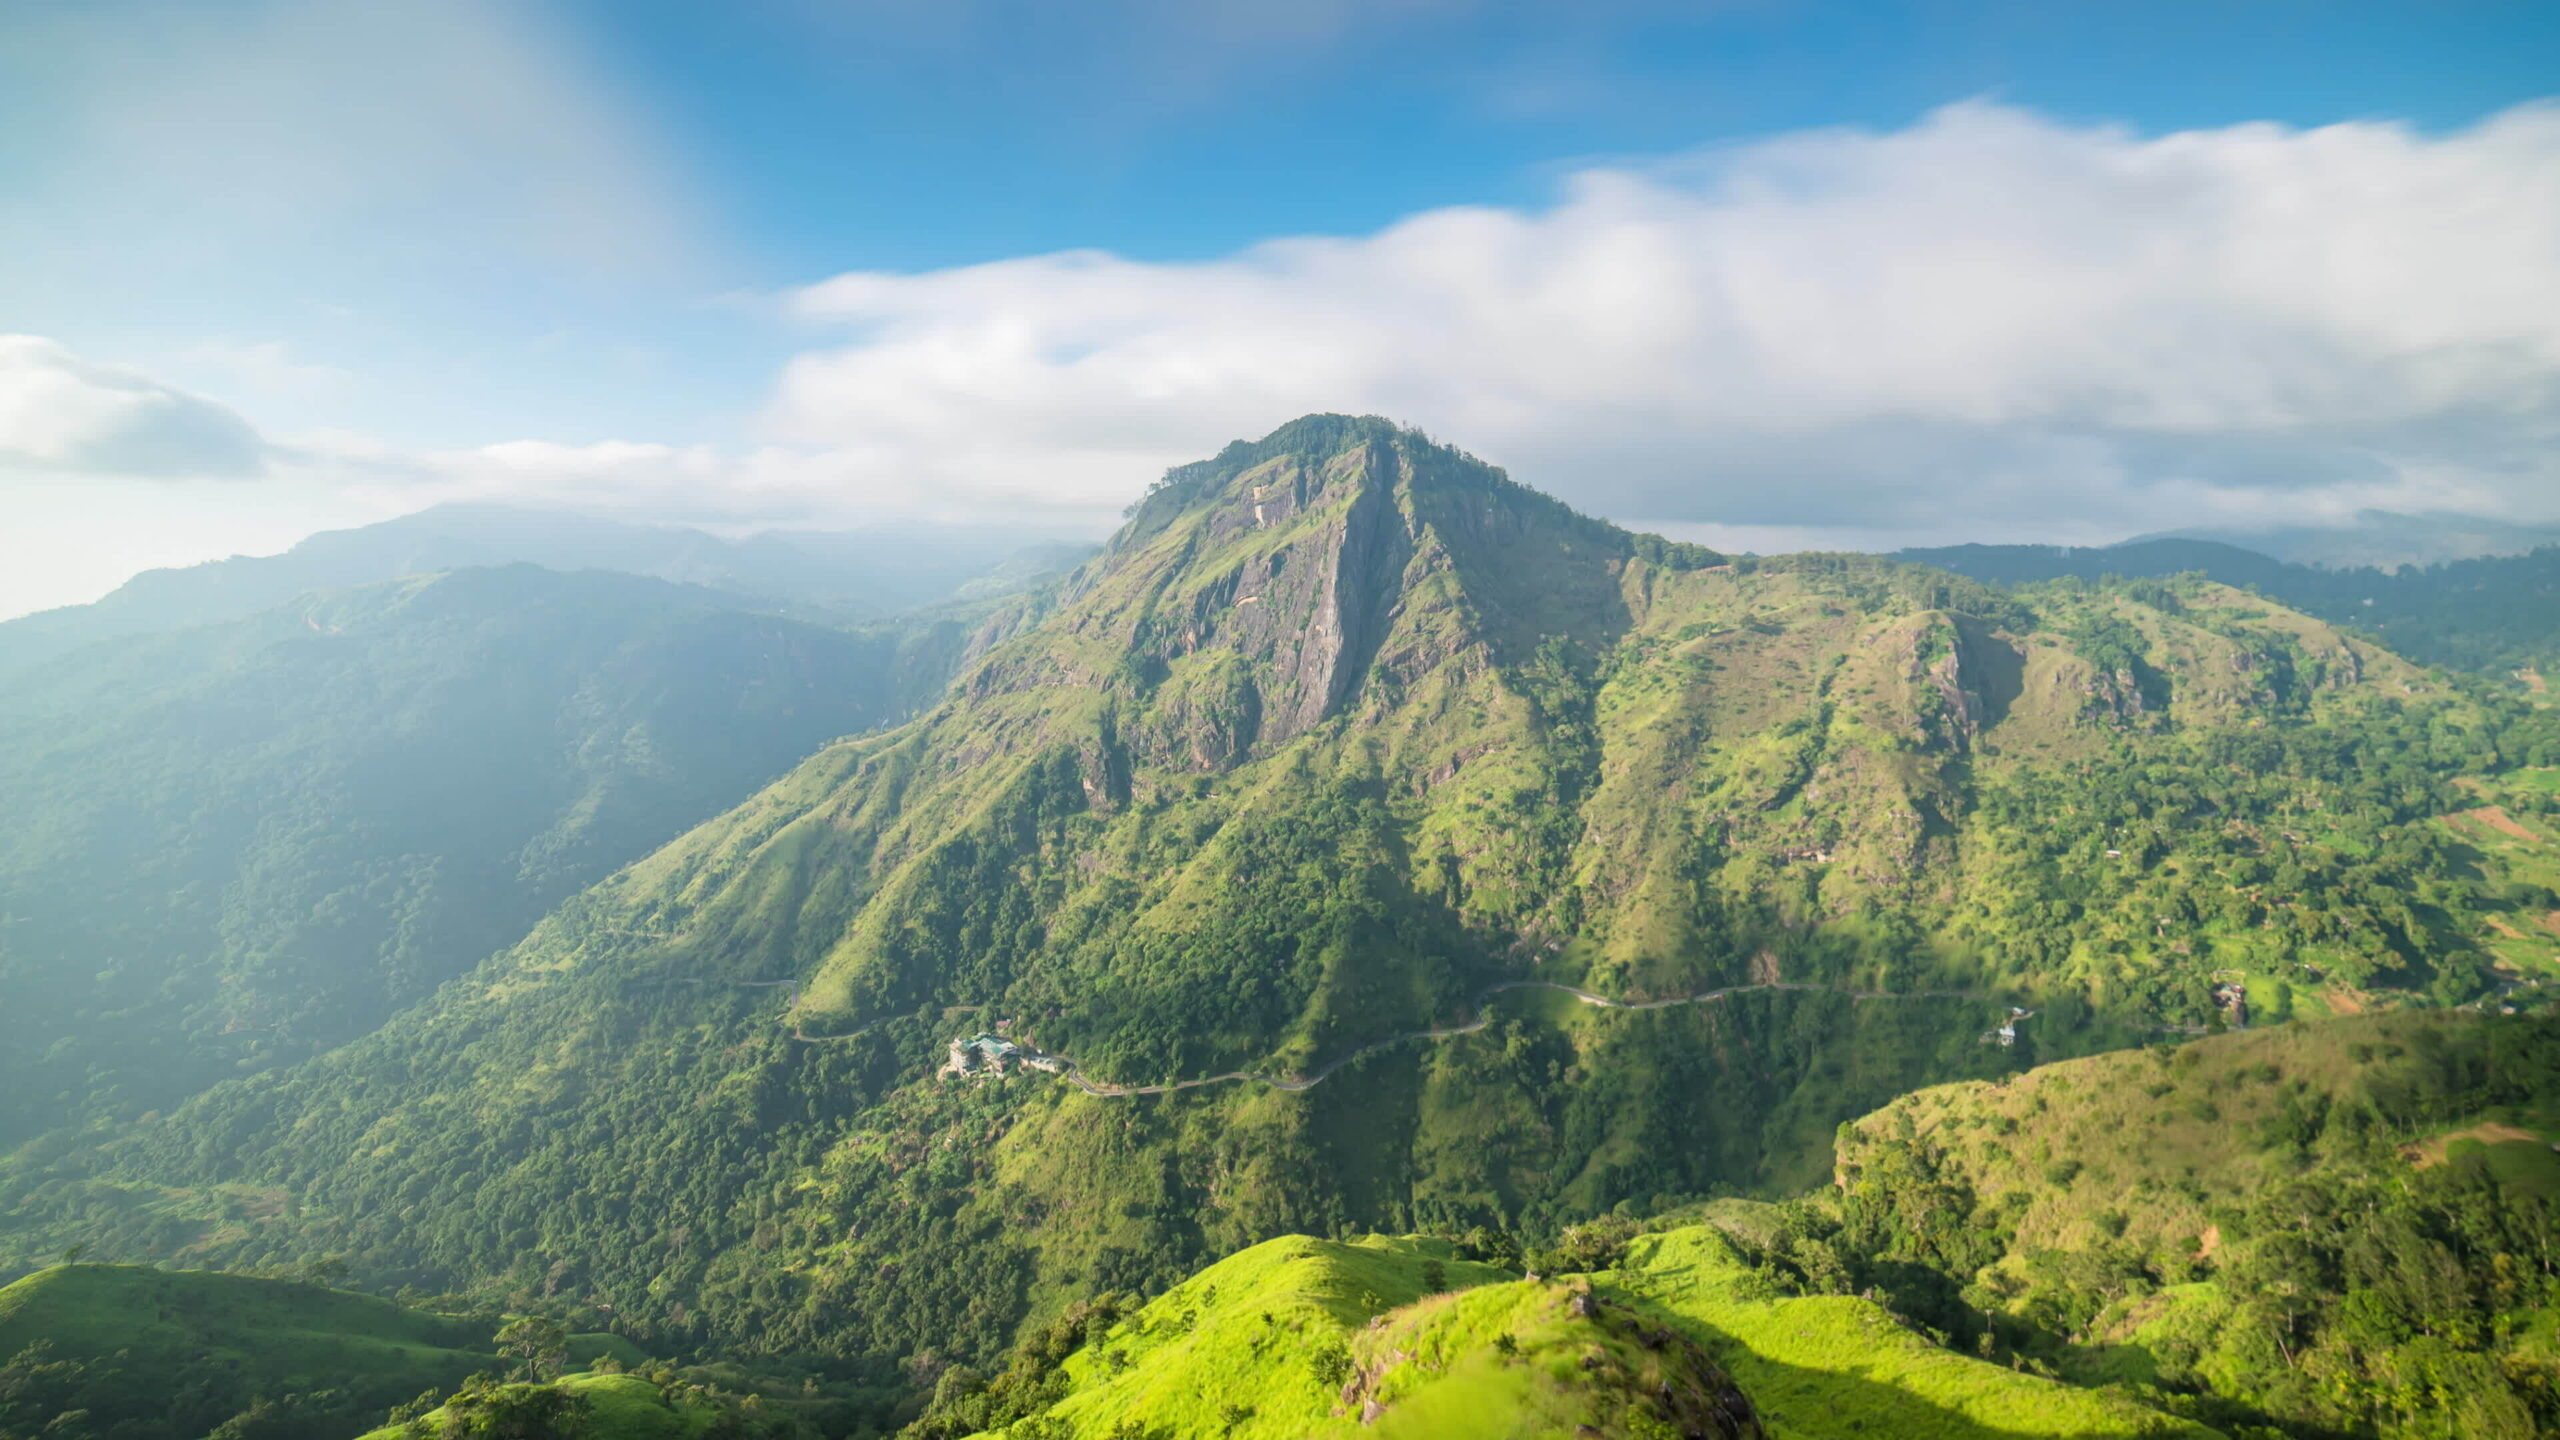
[
  {"x": 1303, "y": 1337},
  {"x": 240, "y": 844},
  {"x": 2340, "y": 1227},
  {"x": 1834, "y": 1365},
  {"x": 1342, "y": 732}
]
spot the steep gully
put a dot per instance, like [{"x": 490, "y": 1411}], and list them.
[{"x": 1076, "y": 1077}]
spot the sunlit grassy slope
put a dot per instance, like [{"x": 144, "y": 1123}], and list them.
[
  {"x": 2147, "y": 1145},
  {"x": 1300, "y": 1337},
  {"x": 2514, "y": 831},
  {"x": 1824, "y": 1366}
]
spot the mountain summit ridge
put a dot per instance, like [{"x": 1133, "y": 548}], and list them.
[{"x": 1299, "y": 551}]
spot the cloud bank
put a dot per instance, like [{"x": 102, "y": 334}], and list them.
[
  {"x": 61, "y": 414},
  {"x": 1991, "y": 324}
]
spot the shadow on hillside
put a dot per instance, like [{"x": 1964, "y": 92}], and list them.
[
  {"x": 1843, "y": 1402},
  {"x": 1853, "y": 1405}
]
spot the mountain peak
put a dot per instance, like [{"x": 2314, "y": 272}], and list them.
[
  {"x": 1310, "y": 440},
  {"x": 1262, "y": 589}
]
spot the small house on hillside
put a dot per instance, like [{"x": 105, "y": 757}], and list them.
[{"x": 981, "y": 1054}]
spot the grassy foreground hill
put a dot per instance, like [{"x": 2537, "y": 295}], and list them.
[
  {"x": 1342, "y": 732},
  {"x": 1300, "y": 1337}
]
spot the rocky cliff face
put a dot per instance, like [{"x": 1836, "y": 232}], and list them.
[{"x": 1320, "y": 551}]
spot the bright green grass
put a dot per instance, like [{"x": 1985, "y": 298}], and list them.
[
  {"x": 2528, "y": 1165},
  {"x": 285, "y": 1334},
  {"x": 1526, "y": 1359},
  {"x": 1300, "y": 1337},
  {"x": 2544, "y": 781},
  {"x": 1833, "y": 1365},
  {"x": 1305, "y": 1338},
  {"x": 1250, "y": 1332}
]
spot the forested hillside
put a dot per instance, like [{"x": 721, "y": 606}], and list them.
[
  {"x": 233, "y": 846},
  {"x": 2496, "y": 616},
  {"x": 2342, "y": 1228},
  {"x": 2347, "y": 1227},
  {"x": 1343, "y": 731}
]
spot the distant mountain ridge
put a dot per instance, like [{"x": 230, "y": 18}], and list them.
[
  {"x": 2497, "y": 616},
  {"x": 233, "y": 845},
  {"x": 821, "y": 575},
  {"x": 2379, "y": 539}
]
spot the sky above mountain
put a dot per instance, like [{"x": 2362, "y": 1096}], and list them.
[{"x": 1764, "y": 274}]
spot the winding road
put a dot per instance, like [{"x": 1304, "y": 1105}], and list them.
[
  {"x": 1484, "y": 1017},
  {"x": 1074, "y": 1075}
]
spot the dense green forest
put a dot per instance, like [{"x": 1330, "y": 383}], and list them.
[
  {"x": 234, "y": 846},
  {"x": 1272, "y": 807}
]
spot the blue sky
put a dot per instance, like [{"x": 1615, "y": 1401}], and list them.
[
  {"x": 847, "y": 136},
  {"x": 797, "y": 261}
]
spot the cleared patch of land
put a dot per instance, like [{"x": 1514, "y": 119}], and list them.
[{"x": 2432, "y": 1150}]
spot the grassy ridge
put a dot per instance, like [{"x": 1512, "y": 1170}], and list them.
[
  {"x": 1821, "y": 1366},
  {"x": 1300, "y": 1337},
  {"x": 2157, "y": 1139}
]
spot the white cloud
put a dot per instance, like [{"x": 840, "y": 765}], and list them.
[
  {"x": 845, "y": 485},
  {"x": 1991, "y": 323},
  {"x": 1988, "y": 326},
  {"x": 62, "y": 414}
]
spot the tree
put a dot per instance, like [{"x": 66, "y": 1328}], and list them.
[{"x": 539, "y": 1341}]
